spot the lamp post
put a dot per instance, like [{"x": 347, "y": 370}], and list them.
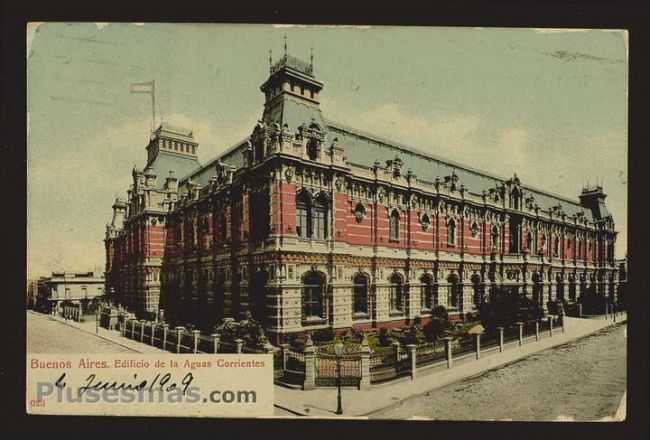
[{"x": 338, "y": 349}]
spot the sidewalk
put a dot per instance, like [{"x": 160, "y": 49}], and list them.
[
  {"x": 322, "y": 402},
  {"x": 112, "y": 336}
]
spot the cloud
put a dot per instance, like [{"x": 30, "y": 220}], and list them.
[{"x": 69, "y": 196}]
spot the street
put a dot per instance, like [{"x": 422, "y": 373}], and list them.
[{"x": 46, "y": 335}]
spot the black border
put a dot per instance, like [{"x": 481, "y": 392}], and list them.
[{"x": 575, "y": 14}]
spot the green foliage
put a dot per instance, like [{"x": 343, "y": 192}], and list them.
[
  {"x": 248, "y": 330},
  {"x": 440, "y": 312},
  {"x": 506, "y": 307},
  {"x": 435, "y": 329},
  {"x": 592, "y": 302},
  {"x": 412, "y": 335},
  {"x": 322, "y": 335},
  {"x": 385, "y": 338}
]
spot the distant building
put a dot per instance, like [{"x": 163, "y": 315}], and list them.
[
  {"x": 68, "y": 286},
  {"x": 309, "y": 224}
]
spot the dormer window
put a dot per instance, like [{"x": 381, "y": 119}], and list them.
[{"x": 313, "y": 148}]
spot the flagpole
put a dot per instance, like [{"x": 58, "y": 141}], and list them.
[{"x": 153, "y": 104}]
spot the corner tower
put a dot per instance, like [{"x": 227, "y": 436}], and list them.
[{"x": 292, "y": 94}]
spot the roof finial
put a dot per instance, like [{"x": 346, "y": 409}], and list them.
[
  {"x": 311, "y": 56},
  {"x": 285, "y": 45},
  {"x": 270, "y": 58}
]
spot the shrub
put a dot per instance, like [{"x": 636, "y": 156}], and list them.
[
  {"x": 441, "y": 313},
  {"x": 411, "y": 335},
  {"x": 384, "y": 337},
  {"x": 323, "y": 335},
  {"x": 434, "y": 329}
]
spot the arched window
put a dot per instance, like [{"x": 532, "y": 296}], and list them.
[
  {"x": 394, "y": 225},
  {"x": 312, "y": 295},
  {"x": 395, "y": 296},
  {"x": 360, "y": 300},
  {"x": 477, "y": 288},
  {"x": 495, "y": 238},
  {"x": 474, "y": 230},
  {"x": 556, "y": 246},
  {"x": 427, "y": 301},
  {"x": 451, "y": 232},
  {"x": 516, "y": 195}
]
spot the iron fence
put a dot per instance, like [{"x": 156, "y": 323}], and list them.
[
  {"x": 327, "y": 365},
  {"x": 464, "y": 346},
  {"x": 429, "y": 354}
]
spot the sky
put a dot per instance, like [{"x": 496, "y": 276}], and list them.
[{"x": 549, "y": 105}]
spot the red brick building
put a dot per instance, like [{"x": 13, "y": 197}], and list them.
[{"x": 310, "y": 224}]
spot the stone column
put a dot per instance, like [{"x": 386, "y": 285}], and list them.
[
  {"x": 536, "y": 330},
  {"x": 239, "y": 343},
  {"x": 285, "y": 355},
  {"x": 413, "y": 355},
  {"x": 448, "y": 352},
  {"x": 478, "y": 345},
  {"x": 179, "y": 338},
  {"x": 364, "y": 384},
  {"x": 520, "y": 325},
  {"x": 165, "y": 327},
  {"x": 195, "y": 337},
  {"x": 153, "y": 333},
  {"x": 215, "y": 341},
  {"x": 310, "y": 365},
  {"x": 500, "y": 338},
  {"x": 395, "y": 345}
]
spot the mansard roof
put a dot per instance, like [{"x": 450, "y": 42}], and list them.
[
  {"x": 363, "y": 149},
  {"x": 168, "y": 161}
]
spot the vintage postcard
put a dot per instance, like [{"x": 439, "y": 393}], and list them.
[{"x": 421, "y": 223}]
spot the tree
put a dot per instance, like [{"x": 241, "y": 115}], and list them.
[
  {"x": 439, "y": 323},
  {"x": 506, "y": 307}
]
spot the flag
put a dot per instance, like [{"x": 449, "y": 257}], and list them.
[{"x": 142, "y": 87}]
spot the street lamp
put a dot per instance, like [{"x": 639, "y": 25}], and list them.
[{"x": 338, "y": 349}]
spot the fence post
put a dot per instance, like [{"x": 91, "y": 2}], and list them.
[
  {"x": 521, "y": 333},
  {"x": 239, "y": 344},
  {"x": 536, "y": 330},
  {"x": 500, "y": 339},
  {"x": 164, "y": 341},
  {"x": 448, "y": 352},
  {"x": 614, "y": 312},
  {"x": 310, "y": 365},
  {"x": 285, "y": 355},
  {"x": 195, "y": 335},
  {"x": 395, "y": 345},
  {"x": 153, "y": 333},
  {"x": 579, "y": 310},
  {"x": 478, "y": 345},
  {"x": 142, "y": 321},
  {"x": 364, "y": 384},
  {"x": 123, "y": 326},
  {"x": 179, "y": 337},
  {"x": 550, "y": 325},
  {"x": 133, "y": 328},
  {"x": 413, "y": 355},
  {"x": 562, "y": 319},
  {"x": 215, "y": 341}
]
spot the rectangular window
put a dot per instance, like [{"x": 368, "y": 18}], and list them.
[
  {"x": 302, "y": 222},
  {"x": 319, "y": 223}
]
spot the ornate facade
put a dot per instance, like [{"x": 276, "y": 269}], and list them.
[{"x": 309, "y": 224}]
